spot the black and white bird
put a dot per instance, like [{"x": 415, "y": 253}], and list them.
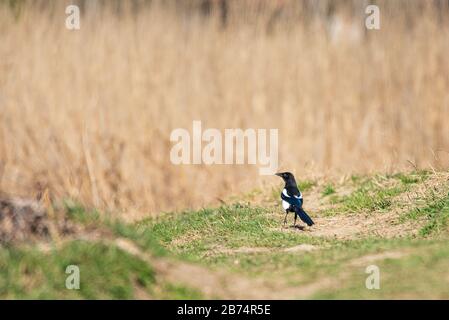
[{"x": 292, "y": 199}]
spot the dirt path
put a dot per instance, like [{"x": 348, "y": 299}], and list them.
[
  {"x": 250, "y": 250},
  {"x": 220, "y": 284},
  {"x": 226, "y": 285},
  {"x": 356, "y": 226},
  {"x": 223, "y": 284}
]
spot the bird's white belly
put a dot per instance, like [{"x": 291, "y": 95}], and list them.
[{"x": 285, "y": 205}]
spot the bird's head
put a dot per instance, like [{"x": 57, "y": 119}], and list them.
[{"x": 287, "y": 177}]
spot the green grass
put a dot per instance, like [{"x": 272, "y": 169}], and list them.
[
  {"x": 92, "y": 218},
  {"x": 106, "y": 272},
  {"x": 370, "y": 199},
  {"x": 192, "y": 234},
  {"x": 306, "y": 185},
  {"x": 177, "y": 292},
  {"x": 209, "y": 236},
  {"x": 412, "y": 177},
  {"x": 436, "y": 214},
  {"x": 422, "y": 273},
  {"x": 202, "y": 239},
  {"x": 407, "y": 179},
  {"x": 328, "y": 190},
  {"x": 249, "y": 241},
  {"x": 370, "y": 195}
]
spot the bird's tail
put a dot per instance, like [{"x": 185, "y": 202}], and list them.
[{"x": 304, "y": 216}]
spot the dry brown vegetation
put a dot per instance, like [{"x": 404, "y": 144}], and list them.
[{"x": 88, "y": 113}]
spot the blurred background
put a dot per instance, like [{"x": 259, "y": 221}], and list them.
[{"x": 88, "y": 113}]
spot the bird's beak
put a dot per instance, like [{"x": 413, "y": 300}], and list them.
[{"x": 278, "y": 174}]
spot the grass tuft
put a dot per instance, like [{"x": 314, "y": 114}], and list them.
[
  {"x": 436, "y": 215},
  {"x": 306, "y": 185},
  {"x": 328, "y": 190}
]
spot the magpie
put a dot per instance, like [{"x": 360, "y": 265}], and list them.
[{"x": 292, "y": 199}]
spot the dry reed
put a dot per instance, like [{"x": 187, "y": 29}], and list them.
[{"x": 88, "y": 113}]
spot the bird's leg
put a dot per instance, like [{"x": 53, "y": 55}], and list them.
[
  {"x": 296, "y": 216},
  {"x": 285, "y": 219}
]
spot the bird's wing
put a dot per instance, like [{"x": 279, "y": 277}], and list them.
[
  {"x": 293, "y": 191},
  {"x": 294, "y": 200}
]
